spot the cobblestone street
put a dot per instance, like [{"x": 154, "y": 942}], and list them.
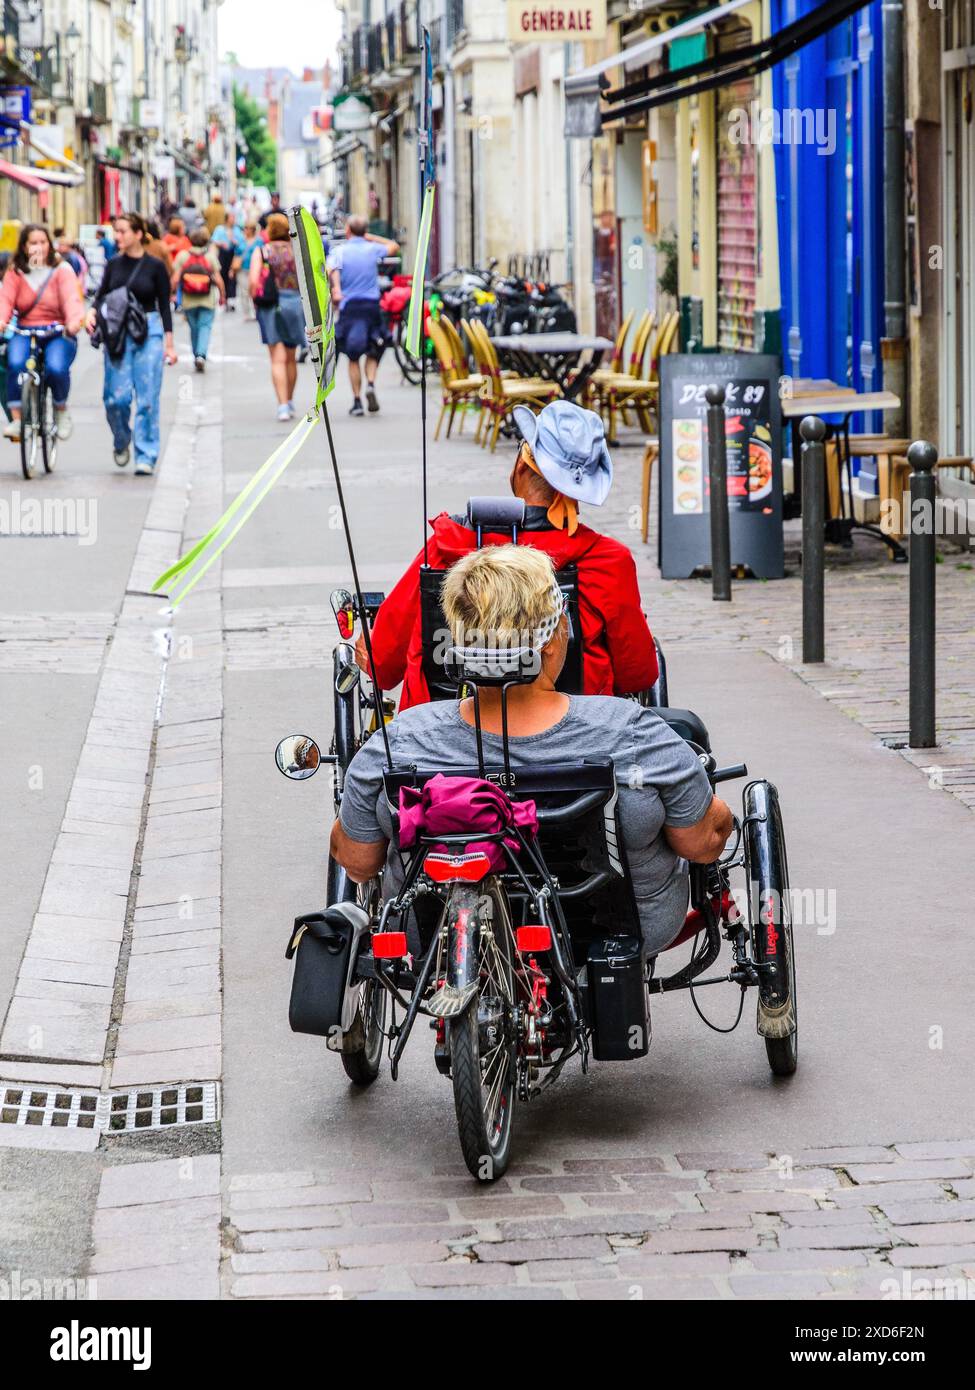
[{"x": 161, "y": 1129}]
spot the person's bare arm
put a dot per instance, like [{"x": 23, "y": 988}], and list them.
[
  {"x": 335, "y": 280},
  {"x": 703, "y": 842},
  {"x": 360, "y": 860},
  {"x": 392, "y": 247}
]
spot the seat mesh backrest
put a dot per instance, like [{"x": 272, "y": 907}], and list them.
[
  {"x": 433, "y": 626},
  {"x": 573, "y": 850}
]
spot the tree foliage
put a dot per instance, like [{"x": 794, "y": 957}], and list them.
[{"x": 261, "y": 153}]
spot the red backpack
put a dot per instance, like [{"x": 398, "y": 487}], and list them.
[{"x": 199, "y": 279}]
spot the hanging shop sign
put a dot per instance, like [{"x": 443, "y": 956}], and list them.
[
  {"x": 753, "y": 440},
  {"x": 351, "y": 112},
  {"x": 540, "y": 23}
]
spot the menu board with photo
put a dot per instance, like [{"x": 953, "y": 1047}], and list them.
[{"x": 754, "y": 462}]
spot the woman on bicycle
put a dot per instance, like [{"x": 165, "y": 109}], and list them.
[
  {"x": 506, "y": 598},
  {"x": 42, "y": 290}
]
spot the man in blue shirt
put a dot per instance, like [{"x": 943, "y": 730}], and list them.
[{"x": 354, "y": 275}]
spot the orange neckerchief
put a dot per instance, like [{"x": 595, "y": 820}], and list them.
[{"x": 564, "y": 511}]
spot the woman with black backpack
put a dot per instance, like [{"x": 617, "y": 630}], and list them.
[
  {"x": 196, "y": 273},
  {"x": 136, "y": 330}
]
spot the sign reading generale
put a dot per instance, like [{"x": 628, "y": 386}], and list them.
[{"x": 536, "y": 23}]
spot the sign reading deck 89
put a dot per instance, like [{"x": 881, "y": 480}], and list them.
[{"x": 754, "y": 462}]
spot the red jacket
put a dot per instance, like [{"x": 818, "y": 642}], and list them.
[{"x": 618, "y": 651}]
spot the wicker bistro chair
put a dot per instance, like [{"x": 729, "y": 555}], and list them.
[
  {"x": 459, "y": 387},
  {"x": 502, "y": 393},
  {"x": 605, "y": 374},
  {"x": 641, "y": 392}
]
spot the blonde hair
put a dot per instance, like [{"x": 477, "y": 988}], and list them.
[
  {"x": 502, "y": 593},
  {"x": 277, "y": 227}
]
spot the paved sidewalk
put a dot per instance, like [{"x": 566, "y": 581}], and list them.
[{"x": 154, "y": 971}]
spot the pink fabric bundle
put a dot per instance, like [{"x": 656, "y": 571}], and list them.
[{"x": 456, "y": 805}]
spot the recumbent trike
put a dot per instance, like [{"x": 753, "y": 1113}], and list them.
[{"x": 521, "y": 968}]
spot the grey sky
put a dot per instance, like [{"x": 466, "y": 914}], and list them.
[{"x": 280, "y": 33}]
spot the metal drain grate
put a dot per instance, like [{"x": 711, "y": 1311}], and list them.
[{"x": 111, "y": 1112}]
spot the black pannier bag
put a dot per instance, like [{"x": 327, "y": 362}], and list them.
[
  {"x": 323, "y": 946},
  {"x": 618, "y": 999}
]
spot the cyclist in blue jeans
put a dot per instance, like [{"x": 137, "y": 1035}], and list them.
[
  {"x": 44, "y": 293},
  {"x": 137, "y": 372}
]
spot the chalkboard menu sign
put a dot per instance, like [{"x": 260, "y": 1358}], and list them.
[{"x": 753, "y": 441}]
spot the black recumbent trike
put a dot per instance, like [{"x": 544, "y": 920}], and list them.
[{"x": 521, "y": 968}]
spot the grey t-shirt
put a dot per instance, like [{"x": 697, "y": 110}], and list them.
[{"x": 660, "y": 778}]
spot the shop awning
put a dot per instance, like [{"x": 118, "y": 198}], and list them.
[
  {"x": 722, "y": 69},
  {"x": 69, "y": 173},
  {"x": 642, "y": 52},
  {"x": 18, "y": 174}
]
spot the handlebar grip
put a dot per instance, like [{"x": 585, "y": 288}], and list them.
[{"x": 728, "y": 774}]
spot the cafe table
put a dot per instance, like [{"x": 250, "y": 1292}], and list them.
[
  {"x": 555, "y": 357},
  {"x": 845, "y": 402}
]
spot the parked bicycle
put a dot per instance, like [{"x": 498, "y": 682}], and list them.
[{"x": 38, "y": 413}]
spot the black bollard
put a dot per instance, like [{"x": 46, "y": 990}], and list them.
[
  {"x": 813, "y": 433},
  {"x": 718, "y": 474},
  {"x": 922, "y": 457}
]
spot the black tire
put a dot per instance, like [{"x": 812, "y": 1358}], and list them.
[
  {"x": 484, "y": 1125},
  {"x": 363, "y": 1064},
  {"x": 30, "y": 442},
  {"x": 345, "y": 734},
  {"x": 49, "y": 429},
  {"x": 770, "y": 907},
  {"x": 407, "y": 363}
]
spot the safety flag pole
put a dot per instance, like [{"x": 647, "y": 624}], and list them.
[{"x": 415, "y": 325}]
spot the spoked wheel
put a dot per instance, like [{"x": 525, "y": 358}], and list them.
[
  {"x": 771, "y": 926},
  {"x": 30, "y": 433},
  {"x": 362, "y": 1047},
  {"x": 482, "y": 1038},
  {"x": 49, "y": 429}
]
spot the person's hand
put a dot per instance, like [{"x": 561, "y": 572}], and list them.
[
  {"x": 91, "y": 318},
  {"x": 170, "y": 355},
  {"x": 361, "y": 655},
  {"x": 223, "y": 301}
]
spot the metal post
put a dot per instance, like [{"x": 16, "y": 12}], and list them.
[
  {"x": 922, "y": 457},
  {"x": 813, "y": 432},
  {"x": 718, "y": 475}
]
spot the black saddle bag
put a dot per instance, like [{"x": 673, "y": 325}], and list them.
[{"x": 323, "y": 947}]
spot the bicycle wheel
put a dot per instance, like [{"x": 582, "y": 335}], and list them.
[
  {"x": 482, "y": 1038},
  {"x": 362, "y": 1046},
  {"x": 407, "y": 363},
  {"x": 771, "y": 927},
  {"x": 30, "y": 433},
  {"x": 49, "y": 428}
]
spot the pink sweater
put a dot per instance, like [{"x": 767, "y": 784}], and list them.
[{"x": 60, "y": 303}]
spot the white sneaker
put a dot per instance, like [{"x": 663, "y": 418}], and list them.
[
  {"x": 65, "y": 425},
  {"x": 143, "y": 469},
  {"x": 12, "y": 431},
  {"x": 284, "y": 412},
  {"x": 291, "y": 410},
  {"x": 121, "y": 456}
]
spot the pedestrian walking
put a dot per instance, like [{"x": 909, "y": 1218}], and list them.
[
  {"x": 353, "y": 267},
  {"x": 157, "y": 247},
  {"x": 190, "y": 215},
  {"x": 104, "y": 240},
  {"x": 251, "y": 241},
  {"x": 176, "y": 239},
  {"x": 136, "y": 331},
  {"x": 229, "y": 242},
  {"x": 274, "y": 209},
  {"x": 274, "y": 289},
  {"x": 42, "y": 290},
  {"x": 196, "y": 273},
  {"x": 214, "y": 212}
]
